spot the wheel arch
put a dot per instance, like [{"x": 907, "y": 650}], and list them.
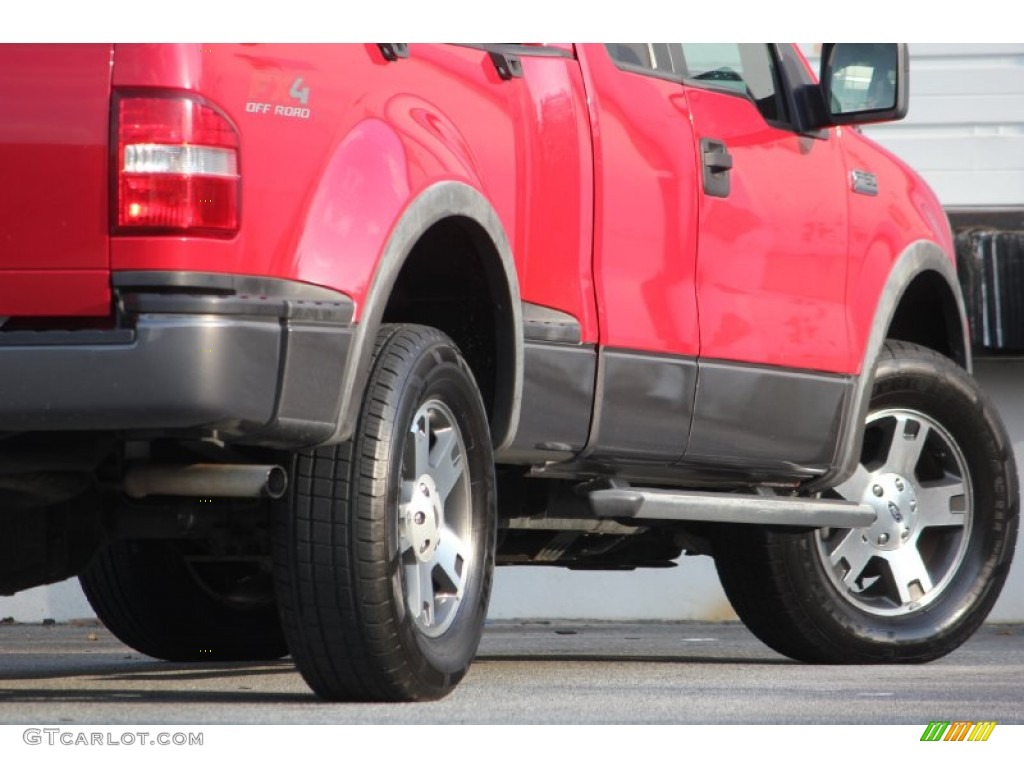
[
  {"x": 922, "y": 279},
  {"x": 930, "y": 312},
  {"x": 448, "y": 213}
]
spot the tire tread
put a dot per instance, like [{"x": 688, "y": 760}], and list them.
[{"x": 335, "y": 595}]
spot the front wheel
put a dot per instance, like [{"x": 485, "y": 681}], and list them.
[
  {"x": 384, "y": 553},
  {"x": 938, "y": 468}
]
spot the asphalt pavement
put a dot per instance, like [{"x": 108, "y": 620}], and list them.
[{"x": 527, "y": 673}]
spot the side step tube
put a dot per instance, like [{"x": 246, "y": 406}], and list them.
[
  {"x": 206, "y": 480},
  {"x": 651, "y": 504}
]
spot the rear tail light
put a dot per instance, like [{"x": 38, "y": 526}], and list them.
[{"x": 177, "y": 166}]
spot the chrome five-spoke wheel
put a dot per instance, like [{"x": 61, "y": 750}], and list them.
[
  {"x": 937, "y": 467},
  {"x": 915, "y": 477},
  {"x": 435, "y": 520}
]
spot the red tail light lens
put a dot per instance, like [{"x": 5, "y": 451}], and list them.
[{"x": 177, "y": 166}]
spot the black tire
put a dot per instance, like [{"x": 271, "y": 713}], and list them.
[
  {"x": 152, "y": 600},
  {"x": 366, "y": 617},
  {"x": 938, "y": 465}
]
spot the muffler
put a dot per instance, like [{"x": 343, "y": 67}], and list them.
[{"x": 206, "y": 481}]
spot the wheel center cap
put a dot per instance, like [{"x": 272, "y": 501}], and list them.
[
  {"x": 895, "y": 503},
  {"x": 424, "y": 518}
]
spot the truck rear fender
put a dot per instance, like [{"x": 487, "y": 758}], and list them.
[{"x": 484, "y": 246}]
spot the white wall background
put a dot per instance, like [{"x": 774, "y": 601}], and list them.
[
  {"x": 965, "y": 134},
  {"x": 965, "y": 129}
]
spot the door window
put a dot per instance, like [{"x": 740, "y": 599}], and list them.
[{"x": 744, "y": 68}]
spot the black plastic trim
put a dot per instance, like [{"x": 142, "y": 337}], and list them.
[
  {"x": 335, "y": 312},
  {"x": 643, "y": 407},
  {"x": 313, "y": 358},
  {"x": 550, "y": 325},
  {"x": 441, "y": 201},
  {"x": 181, "y": 372},
  {"x": 765, "y": 417},
  {"x": 521, "y": 50},
  {"x": 394, "y": 51},
  {"x": 253, "y": 380},
  {"x": 225, "y": 284},
  {"x": 66, "y": 338},
  {"x": 193, "y": 293},
  {"x": 716, "y": 163},
  {"x": 667, "y": 474},
  {"x": 639, "y": 69},
  {"x": 801, "y": 91},
  {"x": 558, "y": 393},
  {"x": 507, "y": 65},
  {"x": 916, "y": 259}
]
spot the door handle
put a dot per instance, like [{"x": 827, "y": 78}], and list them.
[{"x": 717, "y": 163}]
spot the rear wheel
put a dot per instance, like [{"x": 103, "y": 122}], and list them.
[
  {"x": 385, "y": 552},
  {"x": 938, "y": 468},
  {"x": 154, "y": 598}
]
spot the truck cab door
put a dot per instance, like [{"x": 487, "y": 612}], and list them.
[
  {"x": 645, "y": 245},
  {"x": 771, "y": 263}
]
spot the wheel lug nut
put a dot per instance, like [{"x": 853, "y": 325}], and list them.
[
  {"x": 424, "y": 546},
  {"x": 877, "y": 490},
  {"x": 905, "y": 535},
  {"x": 899, "y": 485},
  {"x": 424, "y": 490},
  {"x": 883, "y": 538},
  {"x": 420, "y": 518},
  {"x": 913, "y": 506}
]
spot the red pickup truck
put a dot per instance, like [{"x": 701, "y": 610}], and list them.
[{"x": 299, "y": 342}]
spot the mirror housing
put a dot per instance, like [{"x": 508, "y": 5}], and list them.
[{"x": 864, "y": 82}]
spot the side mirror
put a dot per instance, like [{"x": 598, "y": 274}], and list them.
[{"x": 864, "y": 82}]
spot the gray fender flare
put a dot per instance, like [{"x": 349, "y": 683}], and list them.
[
  {"x": 440, "y": 201},
  {"x": 918, "y": 258}
]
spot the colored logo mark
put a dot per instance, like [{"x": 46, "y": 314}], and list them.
[{"x": 958, "y": 730}]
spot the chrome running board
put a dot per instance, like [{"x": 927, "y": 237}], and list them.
[{"x": 656, "y": 504}]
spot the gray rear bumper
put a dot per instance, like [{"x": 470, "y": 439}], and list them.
[{"x": 258, "y": 378}]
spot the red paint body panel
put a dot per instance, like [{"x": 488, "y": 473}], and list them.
[
  {"x": 645, "y": 233},
  {"x": 594, "y": 173},
  {"x": 322, "y": 191},
  {"x": 54, "y": 136},
  {"x": 772, "y": 256},
  {"x": 904, "y": 211},
  {"x": 55, "y": 293}
]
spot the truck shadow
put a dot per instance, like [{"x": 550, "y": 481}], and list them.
[
  {"x": 638, "y": 658},
  {"x": 147, "y": 681}
]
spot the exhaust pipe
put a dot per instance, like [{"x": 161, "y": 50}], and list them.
[{"x": 247, "y": 481}]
